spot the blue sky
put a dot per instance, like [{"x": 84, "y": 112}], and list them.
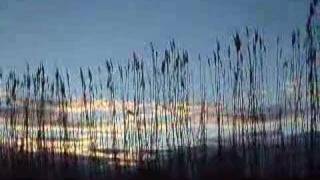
[{"x": 76, "y": 33}]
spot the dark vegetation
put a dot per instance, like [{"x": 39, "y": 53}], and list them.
[{"x": 158, "y": 113}]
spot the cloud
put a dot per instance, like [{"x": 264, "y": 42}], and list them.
[{"x": 2, "y": 93}]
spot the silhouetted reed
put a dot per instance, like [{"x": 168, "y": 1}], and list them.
[{"x": 171, "y": 109}]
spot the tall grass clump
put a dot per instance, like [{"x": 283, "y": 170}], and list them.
[{"x": 249, "y": 100}]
